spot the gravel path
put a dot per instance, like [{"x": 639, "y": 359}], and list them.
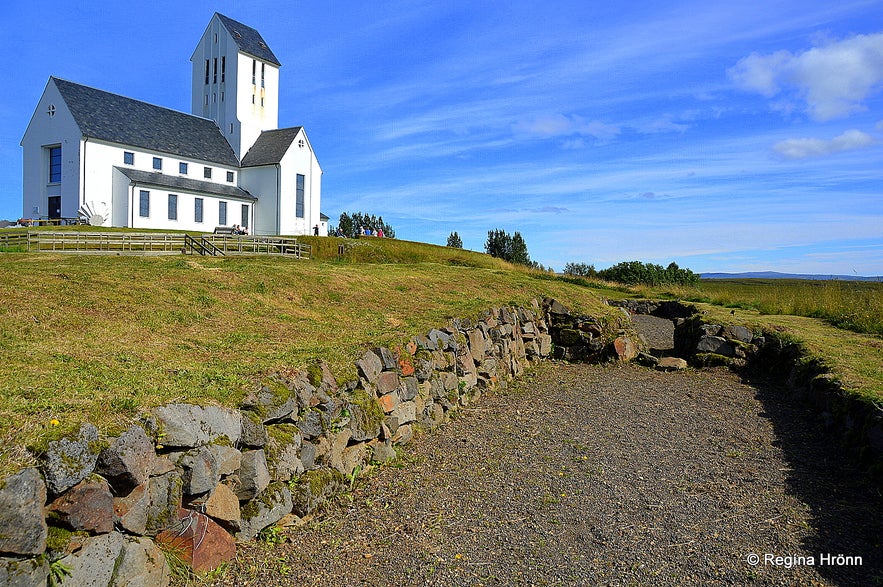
[{"x": 593, "y": 475}]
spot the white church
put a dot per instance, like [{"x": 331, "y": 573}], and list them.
[{"x": 128, "y": 163}]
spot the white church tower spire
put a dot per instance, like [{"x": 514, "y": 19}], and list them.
[{"x": 236, "y": 82}]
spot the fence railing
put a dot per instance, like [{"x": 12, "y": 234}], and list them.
[{"x": 151, "y": 243}]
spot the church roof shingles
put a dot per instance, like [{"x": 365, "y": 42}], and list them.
[
  {"x": 270, "y": 147},
  {"x": 117, "y": 119},
  {"x": 175, "y": 182},
  {"x": 249, "y": 40}
]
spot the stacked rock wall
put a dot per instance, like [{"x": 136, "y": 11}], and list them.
[{"x": 197, "y": 478}]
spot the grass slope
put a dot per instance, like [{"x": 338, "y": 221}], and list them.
[
  {"x": 100, "y": 338},
  {"x": 97, "y": 339}
]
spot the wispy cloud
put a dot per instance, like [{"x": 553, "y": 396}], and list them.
[
  {"x": 832, "y": 80},
  {"x": 807, "y": 147},
  {"x": 562, "y": 125}
]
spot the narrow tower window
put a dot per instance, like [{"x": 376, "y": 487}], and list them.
[
  {"x": 206, "y": 71},
  {"x": 263, "y": 67},
  {"x": 223, "y": 68},
  {"x": 215, "y": 78}
]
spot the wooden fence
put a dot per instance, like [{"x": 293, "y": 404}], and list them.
[{"x": 151, "y": 243}]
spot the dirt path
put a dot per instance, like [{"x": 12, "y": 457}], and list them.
[{"x": 588, "y": 475}]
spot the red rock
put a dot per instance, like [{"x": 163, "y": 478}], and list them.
[
  {"x": 86, "y": 506},
  {"x": 625, "y": 348},
  {"x": 202, "y": 543}
]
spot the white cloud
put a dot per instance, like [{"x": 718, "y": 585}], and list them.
[
  {"x": 833, "y": 80},
  {"x": 560, "y": 125},
  {"x": 803, "y": 148}
]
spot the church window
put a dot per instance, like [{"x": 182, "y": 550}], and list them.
[
  {"x": 173, "y": 207},
  {"x": 222, "y": 213},
  {"x": 223, "y": 68},
  {"x": 254, "y": 70},
  {"x": 197, "y": 210},
  {"x": 299, "y": 202},
  {"x": 230, "y": 176},
  {"x": 207, "y": 172},
  {"x": 144, "y": 204},
  {"x": 263, "y": 67},
  {"x": 244, "y": 221},
  {"x": 206, "y": 71},
  {"x": 157, "y": 163},
  {"x": 128, "y": 158},
  {"x": 182, "y": 168},
  {"x": 215, "y": 77},
  {"x": 54, "y": 164}
]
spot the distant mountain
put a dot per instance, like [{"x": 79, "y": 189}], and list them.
[{"x": 777, "y": 275}]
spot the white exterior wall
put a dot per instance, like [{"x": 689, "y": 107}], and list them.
[
  {"x": 262, "y": 182},
  {"x": 102, "y": 185},
  {"x": 44, "y": 131},
  {"x": 159, "y": 209},
  {"x": 300, "y": 160},
  {"x": 253, "y": 117}
]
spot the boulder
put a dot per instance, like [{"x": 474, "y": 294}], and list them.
[
  {"x": 222, "y": 505},
  {"x": 189, "y": 426},
  {"x": 254, "y": 476},
  {"x": 388, "y": 360},
  {"x": 201, "y": 542},
  {"x": 15, "y": 572},
  {"x": 254, "y": 433},
  {"x": 141, "y": 564},
  {"x": 87, "y": 506},
  {"x": 671, "y": 364},
  {"x": 126, "y": 462},
  {"x": 283, "y": 452},
  {"x": 266, "y": 509},
  {"x": 202, "y": 471},
  {"x": 23, "y": 529},
  {"x": 477, "y": 344},
  {"x": 272, "y": 402},
  {"x": 314, "y": 487},
  {"x": 67, "y": 462},
  {"x": 624, "y": 348},
  {"x": 716, "y": 345},
  {"x": 311, "y": 424},
  {"x": 94, "y": 563},
  {"x": 387, "y": 382},
  {"x": 369, "y": 366},
  {"x": 740, "y": 333}
]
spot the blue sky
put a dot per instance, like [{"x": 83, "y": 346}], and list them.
[{"x": 732, "y": 136}]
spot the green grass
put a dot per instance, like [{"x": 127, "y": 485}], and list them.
[
  {"x": 102, "y": 338},
  {"x": 852, "y": 305},
  {"x": 98, "y": 339}
]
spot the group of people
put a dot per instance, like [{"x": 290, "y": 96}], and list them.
[
  {"x": 362, "y": 232},
  {"x": 239, "y": 230}
]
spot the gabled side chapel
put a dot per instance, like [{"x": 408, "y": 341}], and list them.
[{"x": 145, "y": 166}]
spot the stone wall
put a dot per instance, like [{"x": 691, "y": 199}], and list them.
[{"x": 196, "y": 479}]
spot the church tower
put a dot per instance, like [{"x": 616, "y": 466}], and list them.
[{"x": 236, "y": 82}]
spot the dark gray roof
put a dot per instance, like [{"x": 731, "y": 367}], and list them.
[
  {"x": 249, "y": 40},
  {"x": 117, "y": 119},
  {"x": 270, "y": 147},
  {"x": 174, "y": 182}
]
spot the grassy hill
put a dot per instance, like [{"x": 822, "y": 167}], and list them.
[{"x": 99, "y": 338}]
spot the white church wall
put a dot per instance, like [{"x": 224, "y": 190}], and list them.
[
  {"x": 45, "y": 130},
  {"x": 262, "y": 182}
]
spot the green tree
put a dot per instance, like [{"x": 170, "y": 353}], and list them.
[
  {"x": 508, "y": 247},
  {"x": 454, "y": 240},
  {"x": 580, "y": 270}
]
